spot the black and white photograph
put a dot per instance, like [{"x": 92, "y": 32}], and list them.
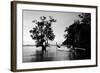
[
  {"x": 56, "y": 36},
  {"x": 52, "y": 36}
]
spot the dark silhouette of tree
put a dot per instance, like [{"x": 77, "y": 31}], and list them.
[
  {"x": 72, "y": 34},
  {"x": 78, "y": 34},
  {"x": 86, "y": 18},
  {"x": 85, "y": 33},
  {"x": 42, "y": 32}
]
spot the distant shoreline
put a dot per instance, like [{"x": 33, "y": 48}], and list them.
[{"x": 35, "y": 45}]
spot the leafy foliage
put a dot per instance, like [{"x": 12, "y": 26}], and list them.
[
  {"x": 78, "y": 34},
  {"x": 72, "y": 31},
  {"x": 42, "y": 32}
]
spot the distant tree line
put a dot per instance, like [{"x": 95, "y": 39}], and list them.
[{"x": 78, "y": 34}]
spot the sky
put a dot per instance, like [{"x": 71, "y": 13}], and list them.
[{"x": 63, "y": 20}]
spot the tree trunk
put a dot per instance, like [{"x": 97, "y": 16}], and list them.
[{"x": 43, "y": 49}]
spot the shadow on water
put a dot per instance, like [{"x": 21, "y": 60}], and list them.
[
  {"x": 78, "y": 54},
  {"x": 40, "y": 57}
]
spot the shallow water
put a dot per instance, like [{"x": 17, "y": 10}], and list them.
[{"x": 34, "y": 54}]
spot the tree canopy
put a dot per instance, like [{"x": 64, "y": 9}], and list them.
[
  {"x": 78, "y": 34},
  {"x": 42, "y": 32}
]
